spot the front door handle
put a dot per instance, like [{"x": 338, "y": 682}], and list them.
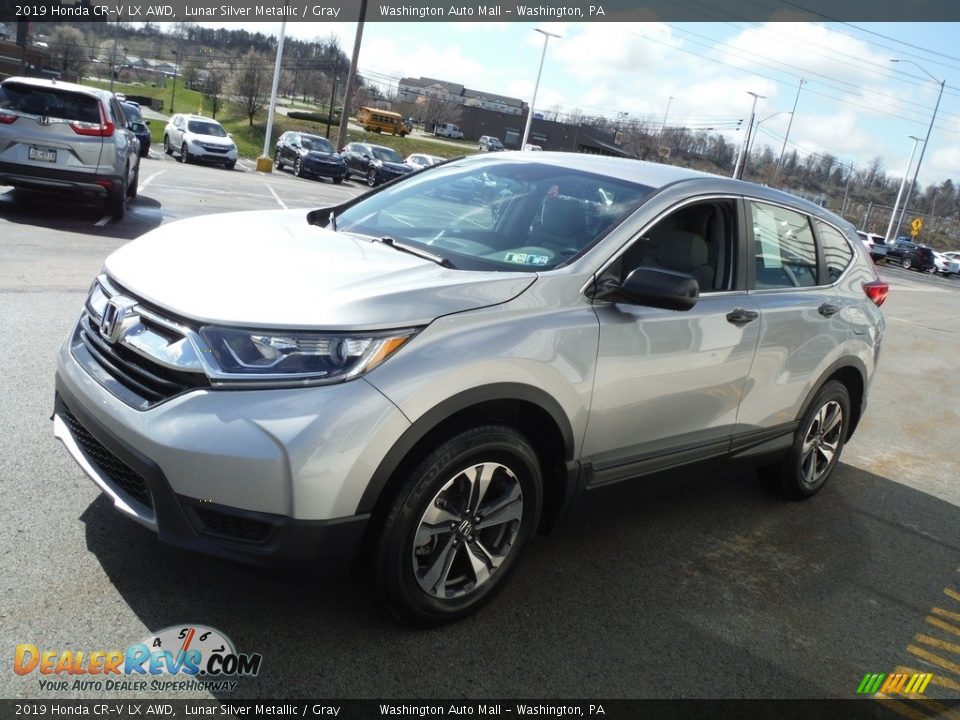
[
  {"x": 742, "y": 316},
  {"x": 827, "y": 309}
]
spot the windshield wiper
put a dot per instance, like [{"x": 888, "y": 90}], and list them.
[{"x": 419, "y": 252}]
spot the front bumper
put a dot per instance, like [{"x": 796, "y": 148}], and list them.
[
  {"x": 260, "y": 476},
  {"x": 324, "y": 170}
]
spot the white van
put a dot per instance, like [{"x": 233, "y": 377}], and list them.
[{"x": 448, "y": 130}]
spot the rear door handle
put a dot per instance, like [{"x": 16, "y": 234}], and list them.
[
  {"x": 742, "y": 316},
  {"x": 828, "y": 309}
]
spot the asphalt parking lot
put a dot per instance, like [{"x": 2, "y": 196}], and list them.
[{"x": 675, "y": 587}]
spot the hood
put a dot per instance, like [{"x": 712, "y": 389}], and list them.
[
  {"x": 212, "y": 139},
  {"x": 397, "y": 167},
  {"x": 271, "y": 269},
  {"x": 321, "y": 155}
]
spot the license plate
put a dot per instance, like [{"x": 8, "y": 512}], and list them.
[{"x": 42, "y": 154}]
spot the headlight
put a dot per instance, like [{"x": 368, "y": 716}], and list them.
[{"x": 297, "y": 358}]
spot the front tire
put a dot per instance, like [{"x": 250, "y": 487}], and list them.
[
  {"x": 167, "y": 148},
  {"x": 184, "y": 154},
  {"x": 372, "y": 179},
  {"x": 278, "y": 161},
  {"x": 817, "y": 444},
  {"x": 458, "y": 525},
  {"x": 298, "y": 167},
  {"x": 905, "y": 263}
]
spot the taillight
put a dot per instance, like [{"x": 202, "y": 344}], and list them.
[
  {"x": 104, "y": 129},
  {"x": 877, "y": 291},
  {"x": 6, "y": 119}
]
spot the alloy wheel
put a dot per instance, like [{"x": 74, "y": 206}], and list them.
[
  {"x": 821, "y": 443},
  {"x": 467, "y": 530}
]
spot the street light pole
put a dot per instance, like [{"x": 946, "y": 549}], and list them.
[
  {"x": 176, "y": 69},
  {"x": 536, "y": 85},
  {"x": 926, "y": 141},
  {"x": 896, "y": 204},
  {"x": 742, "y": 157}
]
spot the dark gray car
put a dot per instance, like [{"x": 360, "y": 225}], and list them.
[{"x": 57, "y": 136}]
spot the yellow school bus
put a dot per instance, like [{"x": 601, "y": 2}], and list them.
[{"x": 374, "y": 120}]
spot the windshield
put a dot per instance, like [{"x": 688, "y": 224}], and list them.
[
  {"x": 132, "y": 112},
  {"x": 510, "y": 216},
  {"x": 386, "y": 154},
  {"x": 206, "y": 128},
  {"x": 316, "y": 144}
]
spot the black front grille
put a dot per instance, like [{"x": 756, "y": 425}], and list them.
[
  {"x": 233, "y": 526},
  {"x": 150, "y": 382},
  {"x": 125, "y": 479}
]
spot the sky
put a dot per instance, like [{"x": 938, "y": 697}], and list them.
[{"x": 854, "y": 104}]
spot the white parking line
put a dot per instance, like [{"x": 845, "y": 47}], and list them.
[
  {"x": 276, "y": 197},
  {"x": 151, "y": 179},
  {"x": 103, "y": 221}
]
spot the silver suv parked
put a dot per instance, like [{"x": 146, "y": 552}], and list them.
[
  {"x": 434, "y": 375},
  {"x": 57, "y": 137}
]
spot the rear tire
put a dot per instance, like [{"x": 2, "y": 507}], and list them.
[
  {"x": 458, "y": 525},
  {"x": 817, "y": 445},
  {"x": 338, "y": 181},
  {"x": 132, "y": 188},
  {"x": 116, "y": 204}
]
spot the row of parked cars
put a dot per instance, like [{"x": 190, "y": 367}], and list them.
[
  {"x": 314, "y": 156},
  {"x": 911, "y": 255}
]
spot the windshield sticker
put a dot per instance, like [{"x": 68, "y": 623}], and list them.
[{"x": 526, "y": 259}]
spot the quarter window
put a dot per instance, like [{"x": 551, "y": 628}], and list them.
[
  {"x": 836, "y": 250},
  {"x": 783, "y": 248}
]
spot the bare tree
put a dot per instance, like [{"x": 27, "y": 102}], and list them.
[
  {"x": 251, "y": 83},
  {"x": 434, "y": 110},
  {"x": 69, "y": 50},
  {"x": 214, "y": 86}
]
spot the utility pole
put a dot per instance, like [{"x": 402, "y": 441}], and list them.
[
  {"x": 742, "y": 157},
  {"x": 333, "y": 91},
  {"x": 663, "y": 125},
  {"x": 536, "y": 85},
  {"x": 783, "y": 149},
  {"x": 351, "y": 74}
]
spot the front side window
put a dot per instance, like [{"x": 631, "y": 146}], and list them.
[
  {"x": 785, "y": 254},
  {"x": 836, "y": 250},
  {"x": 699, "y": 239},
  {"x": 497, "y": 215}
]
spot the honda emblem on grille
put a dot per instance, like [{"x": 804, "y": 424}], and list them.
[
  {"x": 43, "y": 120},
  {"x": 115, "y": 314}
]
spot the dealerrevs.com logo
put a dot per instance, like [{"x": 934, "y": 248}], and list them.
[{"x": 181, "y": 657}]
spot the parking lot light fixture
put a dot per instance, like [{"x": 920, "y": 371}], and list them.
[
  {"x": 536, "y": 85},
  {"x": 926, "y": 140}
]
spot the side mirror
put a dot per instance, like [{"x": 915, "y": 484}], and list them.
[
  {"x": 653, "y": 287},
  {"x": 146, "y": 122}
]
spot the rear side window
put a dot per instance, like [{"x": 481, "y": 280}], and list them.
[
  {"x": 783, "y": 247},
  {"x": 837, "y": 254},
  {"x": 49, "y": 102}
]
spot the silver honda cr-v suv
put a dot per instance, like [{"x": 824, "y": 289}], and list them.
[
  {"x": 60, "y": 137},
  {"x": 433, "y": 371}
]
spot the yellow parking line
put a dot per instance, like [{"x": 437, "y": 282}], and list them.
[
  {"x": 952, "y": 593},
  {"x": 938, "y": 643},
  {"x": 934, "y": 659},
  {"x": 946, "y": 613},
  {"x": 943, "y": 625}
]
